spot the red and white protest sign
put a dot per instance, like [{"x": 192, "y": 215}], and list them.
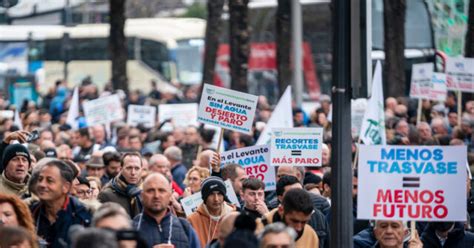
[
  {"x": 460, "y": 74},
  {"x": 226, "y": 108},
  {"x": 256, "y": 162},
  {"x": 422, "y": 183}
]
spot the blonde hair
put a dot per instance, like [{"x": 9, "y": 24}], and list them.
[{"x": 203, "y": 173}]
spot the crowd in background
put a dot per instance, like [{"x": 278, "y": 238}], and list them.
[{"x": 121, "y": 186}]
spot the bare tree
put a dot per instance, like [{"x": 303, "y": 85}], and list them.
[
  {"x": 394, "y": 44},
  {"x": 213, "y": 29},
  {"x": 283, "y": 44},
  {"x": 469, "y": 47},
  {"x": 118, "y": 44},
  {"x": 239, "y": 44}
]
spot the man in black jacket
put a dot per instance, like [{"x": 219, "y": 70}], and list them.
[{"x": 447, "y": 234}]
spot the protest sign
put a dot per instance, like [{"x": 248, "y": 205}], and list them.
[
  {"x": 182, "y": 115},
  {"x": 227, "y": 109},
  {"x": 439, "y": 89},
  {"x": 256, "y": 162},
  {"x": 412, "y": 183},
  {"x": 103, "y": 110},
  {"x": 192, "y": 202},
  {"x": 421, "y": 75},
  {"x": 460, "y": 74},
  {"x": 140, "y": 114},
  {"x": 358, "y": 107},
  {"x": 296, "y": 146},
  {"x": 7, "y": 114}
]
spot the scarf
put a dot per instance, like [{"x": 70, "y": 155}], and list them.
[
  {"x": 127, "y": 190},
  {"x": 17, "y": 188}
]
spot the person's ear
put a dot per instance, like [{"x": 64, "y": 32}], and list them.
[{"x": 280, "y": 210}]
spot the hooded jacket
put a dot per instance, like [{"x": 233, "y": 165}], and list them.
[
  {"x": 9, "y": 187},
  {"x": 309, "y": 238},
  {"x": 205, "y": 227}
]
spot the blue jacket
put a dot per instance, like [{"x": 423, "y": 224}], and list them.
[
  {"x": 179, "y": 173},
  {"x": 73, "y": 213},
  {"x": 182, "y": 234}
]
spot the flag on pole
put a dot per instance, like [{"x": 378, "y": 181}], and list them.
[
  {"x": 282, "y": 117},
  {"x": 73, "y": 113},
  {"x": 372, "y": 131},
  {"x": 17, "y": 120}
]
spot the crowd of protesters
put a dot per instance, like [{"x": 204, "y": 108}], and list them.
[{"x": 121, "y": 186}]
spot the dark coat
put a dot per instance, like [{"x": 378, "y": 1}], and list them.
[
  {"x": 74, "y": 213},
  {"x": 111, "y": 194},
  {"x": 457, "y": 238}
]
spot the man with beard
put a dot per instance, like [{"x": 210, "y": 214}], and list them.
[
  {"x": 124, "y": 189},
  {"x": 295, "y": 211},
  {"x": 447, "y": 234},
  {"x": 172, "y": 230},
  {"x": 16, "y": 162}
]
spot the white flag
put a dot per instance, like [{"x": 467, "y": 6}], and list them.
[
  {"x": 17, "y": 120},
  {"x": 372, "y": 131},
  {"x": 282, "y": 117},
  {"x": 73, "y": 112}
]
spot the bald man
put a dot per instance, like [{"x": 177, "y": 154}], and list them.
[
  {"x": 174, "y": 231},
  {"x": 225, "y": 227},
  {"x": 160, "y": 163}
]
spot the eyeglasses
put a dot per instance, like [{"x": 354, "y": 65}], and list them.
[{"x": 84, "y": 192}]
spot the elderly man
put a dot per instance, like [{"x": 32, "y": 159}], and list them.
[
  {"x": 391, "y": 234},
  {"x": 175, "y": 156},
  {"x": 424, "y": 131},
  {"x": 16, "y": 163},
  {"x": 156, "y": 197},
  {"x": 277, "y": 235},
  {"x": 160, "y": 163}
]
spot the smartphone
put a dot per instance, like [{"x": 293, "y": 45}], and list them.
[
  {"x": 33, "y": 136},
  {"x": 127, "y": 235}
]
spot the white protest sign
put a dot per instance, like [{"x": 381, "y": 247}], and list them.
[
  {"x": 140, "y": 114},
  {"x": 103, "y": 110},
  {"x": 358, "y": 107},
  {"x": 422, "y": 183},
  {"x": 7, "y": 114},
  {"x": 421, "y": 75},
  {"x": 460, "y": 74},
  {"x": 192, "y": 202},
  {"x": 439, "y": 89},
  {"x": 226, "y": 108},
  {"x": 296, "y": 146},
  {"x": 183, "y": 115},
  {"x": 256, "y": 162}
]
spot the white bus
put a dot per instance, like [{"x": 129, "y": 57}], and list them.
[{"x": 163, "y": 49}]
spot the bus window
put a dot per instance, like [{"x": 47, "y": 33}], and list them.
[
  {"x": 188, "y": 60},
  {"x": 155, "y": 55}
]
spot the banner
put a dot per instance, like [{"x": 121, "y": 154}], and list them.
[
  {"x": 256, "y": 162},
  {"x": 373, "y": 126},
  {"x": 183, "y": 115},
  {"x": 141, "y": 114},
  {"x": 226, "y": 108},
  {"x": 422, "y": 183},
  {"x": 296, "y": 146},
  {"x": 282, "y": 116},
  {"x": 73, "y": 111},
  {"x": 460, "y": 74},
  {"x": 192, "y": 202},
  {"x": 103, "y": 110}
]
